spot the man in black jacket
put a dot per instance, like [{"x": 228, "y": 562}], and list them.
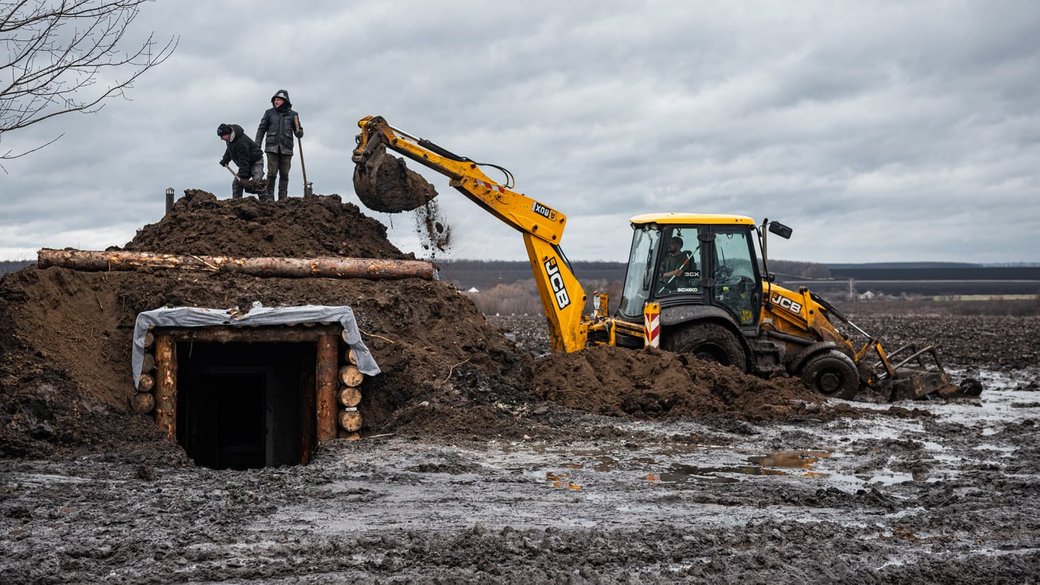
[
  {"x": 246, "y": 154},
  {"x": 278, "y": 125}
]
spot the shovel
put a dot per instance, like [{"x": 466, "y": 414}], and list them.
[
  {"x": 308, "y": 189},
  {"x": 254, "y": 186}
]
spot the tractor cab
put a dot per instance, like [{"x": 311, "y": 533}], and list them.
[{"x": 695, "y": 266}]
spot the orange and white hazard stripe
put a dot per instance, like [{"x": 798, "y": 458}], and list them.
[{"x": 652, "y": 325}]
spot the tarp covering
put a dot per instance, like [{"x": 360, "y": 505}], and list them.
[{"x": 257, "y": 315}]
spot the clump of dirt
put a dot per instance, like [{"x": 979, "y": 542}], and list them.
[
  {"x": 434, "y": 232},
  {"x": 654, "y": 384},
  {"x": 385, "y": 183}
]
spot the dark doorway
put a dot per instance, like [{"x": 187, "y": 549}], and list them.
[{"x": 245, "y": 405}]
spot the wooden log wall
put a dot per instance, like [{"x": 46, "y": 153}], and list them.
[{"x": 144, "y": 400}]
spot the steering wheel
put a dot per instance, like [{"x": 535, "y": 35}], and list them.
[{"x": 722, "y": 273}]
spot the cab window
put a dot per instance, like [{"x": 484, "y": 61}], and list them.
[
  {"x": 639, "y": 276},
  {"x": 678, "y": 272}
]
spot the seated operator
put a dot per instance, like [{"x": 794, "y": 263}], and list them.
[{"x": 675, "y": 263}]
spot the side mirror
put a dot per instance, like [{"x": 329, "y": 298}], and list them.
[{"x": 780, "y": 229}]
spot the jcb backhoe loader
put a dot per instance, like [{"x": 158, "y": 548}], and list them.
[{"x": 694, "y": 284}]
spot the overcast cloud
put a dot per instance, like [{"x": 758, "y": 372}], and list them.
[{"x": 880, "y": 131}]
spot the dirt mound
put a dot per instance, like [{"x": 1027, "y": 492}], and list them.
[
  {"x": 65, "y": 335},
  {"x": 312, "y": 226},
  {"x": 617, "y": 381}
]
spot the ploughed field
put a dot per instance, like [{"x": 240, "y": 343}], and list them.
[{"x": 486, "y": 488}]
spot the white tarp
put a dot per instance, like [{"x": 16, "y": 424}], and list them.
[{"x": 257, "y": 315}]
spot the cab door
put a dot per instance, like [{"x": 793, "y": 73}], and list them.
[{"x": 734, "y": 282}]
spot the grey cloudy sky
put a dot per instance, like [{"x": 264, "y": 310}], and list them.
[{"x": 880, "y": 131}]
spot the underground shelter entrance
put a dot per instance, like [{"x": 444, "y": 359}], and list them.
[
  {"x": 247, "y": 390},
  {"x": 246, "y": 405}
]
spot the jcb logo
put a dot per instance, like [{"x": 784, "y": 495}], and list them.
[
  {"x": 787, "y": 303},
  {"x": 543, "y": 211},
  {"x": 556, "y": 282}
]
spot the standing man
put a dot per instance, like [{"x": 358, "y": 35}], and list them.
[
  {"x": 245, "y": 153},
  {"x": 279, "y": 124}
]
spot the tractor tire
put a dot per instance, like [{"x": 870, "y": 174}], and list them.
[
  {"x": 831, "y": 373},
  {"x": 709, "y": 341}
]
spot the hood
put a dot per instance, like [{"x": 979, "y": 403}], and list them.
[{"x": 281, "y": 93}]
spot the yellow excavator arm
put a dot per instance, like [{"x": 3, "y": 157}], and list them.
[{"x": 563, "y": 297}]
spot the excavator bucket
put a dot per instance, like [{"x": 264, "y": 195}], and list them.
[{"x": 383, "y": 183}]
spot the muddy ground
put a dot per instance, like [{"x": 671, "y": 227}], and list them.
[
  {"x": 483, "y": 461},
  {"x": 927, "y": 492}
]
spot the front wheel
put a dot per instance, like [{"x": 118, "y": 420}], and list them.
[
  {"x": 831, "y": 373},
  {"x": 709, "y": 341}
]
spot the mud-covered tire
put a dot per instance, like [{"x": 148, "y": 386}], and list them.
[
  {"x": 831, "y": 373},
  {"x": 709, "y": 341}
]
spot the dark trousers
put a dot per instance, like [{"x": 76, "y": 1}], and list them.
[{"x": 278, "y": 164}]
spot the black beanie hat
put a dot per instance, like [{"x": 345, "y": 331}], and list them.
[{"x": 223, "y": 130}]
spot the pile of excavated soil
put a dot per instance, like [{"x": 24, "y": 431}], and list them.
[
  {"x": 650, "y": 384},
  {"x": 312, "y": 226},
  {"x": 65, "y": 340}
]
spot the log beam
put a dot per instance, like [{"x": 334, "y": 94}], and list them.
[
  {"x": 324, "y": 267},
  {"x": 350, "y": 396},
  {"x": 143, "y": 402},
  {"x": 166, "y": 385},
  {"x": 265, "y": 334},
  {"x": 350, "y": 420},
  {"x": 351, "y": 376},
  {"x": 327, "y": 369}
]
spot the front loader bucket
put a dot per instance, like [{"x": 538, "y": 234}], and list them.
[
  {"x": 914, "y": 378},
  {"x": 384, "y": 183},
  {"x": 916, "y": 384}
]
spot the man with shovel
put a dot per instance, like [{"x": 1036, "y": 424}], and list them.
[
  {"x": 246, "y": 154},
  {"x": 278, "y": 125}
]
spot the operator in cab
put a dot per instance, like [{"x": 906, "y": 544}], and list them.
[{"x": 676, "y": 261}]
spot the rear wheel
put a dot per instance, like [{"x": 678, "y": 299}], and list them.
[
  {"x": 709, "y": 341},
  {"x": 831, "y": 373}
]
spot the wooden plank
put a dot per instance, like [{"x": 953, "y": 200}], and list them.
[{"x": 264, "y": 334}]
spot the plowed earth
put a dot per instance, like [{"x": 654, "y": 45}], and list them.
[{"x": 482, "y": 463}]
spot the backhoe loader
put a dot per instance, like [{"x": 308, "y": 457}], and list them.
[{"x": 695, "y": 283}]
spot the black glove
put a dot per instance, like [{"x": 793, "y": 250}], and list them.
[{"x": 222, "y": 163}]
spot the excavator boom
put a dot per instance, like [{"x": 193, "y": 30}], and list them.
[{"x": 562, "y": 296}]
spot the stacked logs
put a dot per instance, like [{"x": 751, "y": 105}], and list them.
[
  {"x": 349, "y": 397},
  {"x": 144, "y": 399}
]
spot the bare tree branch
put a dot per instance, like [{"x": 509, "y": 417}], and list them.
[{"x": 58, "y": 53}]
